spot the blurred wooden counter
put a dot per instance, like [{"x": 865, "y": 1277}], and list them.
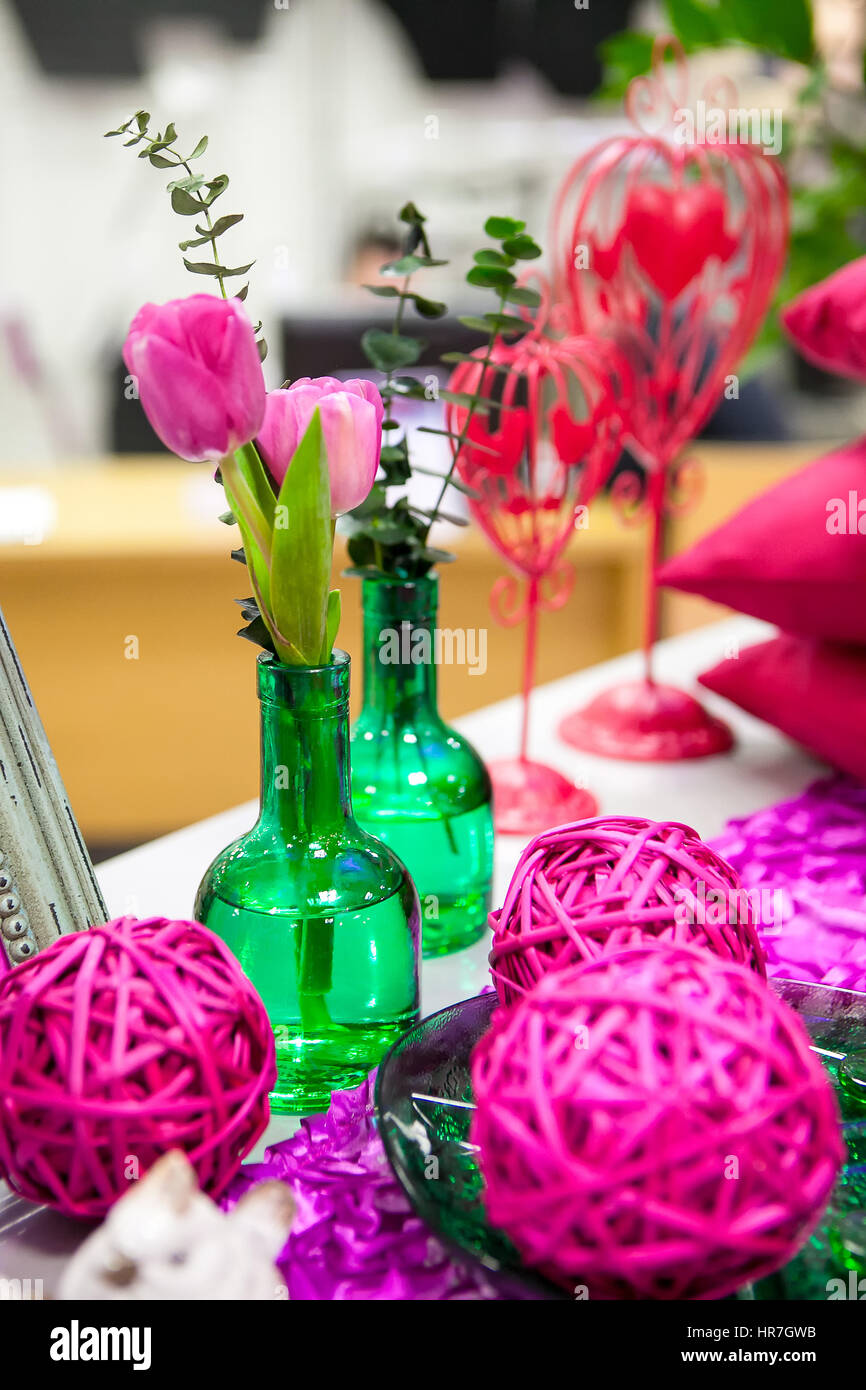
[
  {"x": 118, "y": 590},
  {"x": 116, "y": 583}
]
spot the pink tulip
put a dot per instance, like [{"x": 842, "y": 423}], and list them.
[
  {"x": 351, "y": 414},
  {"x": 199, "y": 376}
]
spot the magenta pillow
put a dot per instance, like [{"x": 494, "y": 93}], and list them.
[
  {"x": 828, "y": 321},
  {"x": 795, "y": 556},
  {"x": 813, "y": 691}
]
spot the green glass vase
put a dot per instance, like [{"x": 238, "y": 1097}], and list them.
[
  {"x": 417, "y": 783},
  {"x": 323, "y": 917}
]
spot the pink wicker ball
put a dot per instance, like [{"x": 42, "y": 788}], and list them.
[
  {"x": 119, "y": 1043},
  {"x": 653, "y": 1125},
  {"x": 603, "y": 885}
]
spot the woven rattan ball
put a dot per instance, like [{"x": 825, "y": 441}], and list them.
[
  {"x": 119, "y": 1043},
  {"x": 653, "y": 1125},
  {"x": 602, "y": 885}
]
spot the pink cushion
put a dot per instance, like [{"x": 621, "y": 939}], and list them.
[
  {"x": 795, "y": 556},
  {"x": 814, "y": 692},
  {"x": 828, "y": 321}
]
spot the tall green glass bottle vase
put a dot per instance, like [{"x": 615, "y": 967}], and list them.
[
  {"x": 417, "y": 783},
  {"x": 323, "y": 917}
]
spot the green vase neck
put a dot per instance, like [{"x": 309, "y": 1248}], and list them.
[
  {"x": 305, "y": 787},
  {"x": 399, "y": 647}
]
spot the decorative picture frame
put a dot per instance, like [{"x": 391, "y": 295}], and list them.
[{"x": 47, "y": 884}]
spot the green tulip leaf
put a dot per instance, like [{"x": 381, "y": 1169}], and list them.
[{"x": 302, "y": 548}]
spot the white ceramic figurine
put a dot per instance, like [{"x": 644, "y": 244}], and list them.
[{"x": 166, "y": 1240}]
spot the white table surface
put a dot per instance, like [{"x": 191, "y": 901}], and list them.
[{"x": 161, "y": 878}]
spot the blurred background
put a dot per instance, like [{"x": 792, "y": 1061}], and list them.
[{"x": 328, "y": 115}]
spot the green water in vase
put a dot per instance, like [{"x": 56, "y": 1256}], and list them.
[
  {"x": 322, "y": 916},
  {"x": 417, "y": 783}
]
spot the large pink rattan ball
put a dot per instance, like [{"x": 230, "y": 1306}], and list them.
[
  {"x": 119, "y": 1043},
  {"x": 653, "y": 1125},
  {"x": 583, "y": 890}
]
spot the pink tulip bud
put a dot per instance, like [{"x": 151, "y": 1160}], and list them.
[
  {"x": 199, "y": 376},
  {"x": 351, "y": 414}
]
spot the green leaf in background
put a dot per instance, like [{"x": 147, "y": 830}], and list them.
[
  {"x": 428, "y": 308},
  {"x": 624, "y": 56},
  {"x": 487, "y": 256},
  {"x": 777, "y": 26},
  {"x": 387, "y": 351},
  {"x": 490, "y": 277},
  {"x": 697, "y": 25},
  {"x": 522, "y": 294},
  {"x": 302, "y": 549},
  {"x": 522, "y": 248},
  {"x": 501, "y": 227}
]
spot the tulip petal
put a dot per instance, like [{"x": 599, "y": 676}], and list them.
[{"x": 177, "y": 397}]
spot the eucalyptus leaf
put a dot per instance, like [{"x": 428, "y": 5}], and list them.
[
  {"x": 501, "y": 227},
  {"x": 490, "y": 277},
  {"x": 223, "y": 224},
  {"x": 522, "y": 294},
  {"x": 191, "y": 183},
  {"x": 428, "y": 308},
  {"x": 200, "y": 148},
  {"x": 487, "y": 256},
  {"x": 216, "y": 187},
  {"x": 523, "y": 248},
  {"x": 211, "y": 268},
  {"x": 388, "y": 351},
  {"x": 184, "y": 203},
  {"x": 196, "y": 241}
]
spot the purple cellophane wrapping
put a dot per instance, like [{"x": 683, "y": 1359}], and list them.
[
  {"x": 806, "y": 858},
  {"x": 355, "y": 1235}
]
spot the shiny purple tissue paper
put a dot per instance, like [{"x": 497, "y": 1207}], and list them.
[
  {"x": 355, "y": 1234},
  {"x": 803, "y": 863}
]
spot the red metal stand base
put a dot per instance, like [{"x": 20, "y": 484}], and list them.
[
  {"x": 645, "y": 722},
  {"x": 529, "y": 797}
]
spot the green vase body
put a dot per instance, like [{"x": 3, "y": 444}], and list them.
[
  {"x": 323, "y": 917},
  {"x": 417, "y": 783}
]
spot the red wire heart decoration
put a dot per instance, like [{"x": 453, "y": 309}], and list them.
[
  {"x": 547, "y": 444},
  {"x": 672, "y": 248}
]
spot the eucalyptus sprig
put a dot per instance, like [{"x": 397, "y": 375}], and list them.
[
  {"x": 192, "y": 195},
  {"x": 392, "y": 537}
]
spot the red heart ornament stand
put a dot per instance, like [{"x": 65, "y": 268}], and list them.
[
  {"x": 671, "y": 249},
  {"x": 533, "y": 465}
]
